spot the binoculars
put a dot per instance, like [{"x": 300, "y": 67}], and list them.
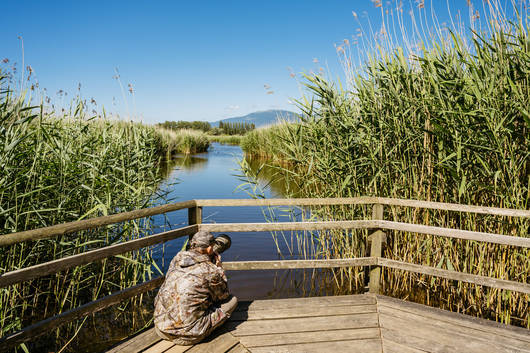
[{"x": 221, "y": 243}]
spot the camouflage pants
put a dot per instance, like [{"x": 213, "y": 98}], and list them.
[{"x": 227, "y": 307}]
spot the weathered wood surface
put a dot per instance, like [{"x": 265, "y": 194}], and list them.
[
  {"x": 137, "y": 343},
  {"x": 41, "y": 327},
  {"x": 366, "y": 200},
  {"x": 455, "y": 275},
  {"x": 369, "y": 224},
  {"x": 293, "y": 264},
  {"x": 41, "y": 233},
  {"x": 434, "y": 330},
  {"x": 59, "y": 229},
  {"x": 455, "y": 319},
  {"x": 287, "y": 226},
  {"x": 376, "y": 250},
  {"x": 313, "y": 325},
  {"x": 58, "y": 265},
  {"x": 148, "y": 342},
  {"x": 521, "y": 240}
]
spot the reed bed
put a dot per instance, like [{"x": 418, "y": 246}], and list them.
[
  {"x": 447, "y": 123},
  {"x": 226, "y": 139},
  {"x": 55, "y": 170},
  {"x": 185, "y": 141}
]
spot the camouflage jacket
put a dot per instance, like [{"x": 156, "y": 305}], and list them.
[{"x": 184, "y": 305}]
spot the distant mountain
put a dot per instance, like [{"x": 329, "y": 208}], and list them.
[{"x": 266, "y": 117}]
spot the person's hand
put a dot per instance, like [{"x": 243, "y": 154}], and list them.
[{"x": 217, "y": 258}]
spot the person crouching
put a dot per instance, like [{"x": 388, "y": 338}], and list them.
[{"x": 194, "y": 299}]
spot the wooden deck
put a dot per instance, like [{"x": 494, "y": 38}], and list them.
[{"x": 356, "y": 323}]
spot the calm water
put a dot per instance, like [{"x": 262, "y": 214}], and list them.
[{"x": 214, "y": 175}]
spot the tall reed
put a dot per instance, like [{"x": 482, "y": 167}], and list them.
[
  {"x": 55, "y": 170},
  {"x": 449, "y": 123}
]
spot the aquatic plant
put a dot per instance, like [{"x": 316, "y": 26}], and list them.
[
  {"x": 58, "y": 169},
  {"x": 444, "y": 121}
]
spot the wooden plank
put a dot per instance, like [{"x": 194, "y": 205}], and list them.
[
  {"x": 415, "y": 331},
  {"x": 287, "y": 226},
  {"x": 390, "y": 346},
  {"x": 428, "y": 343},
  {"x": 309, "y": 337},
  {"x": 277, "y": 326},
  {"x": 369, "y": 224},
  {"x": 294, "y": 264},
  {"x": 59, "y": 229},
  {"x": 302, "y": 311},
  {"x": 217, "y": 344},
  {"x": 353, "y": 346},
  {"x": 178, "y": 349},
  {"x": 41, "y": 327},
  {"x": 520, "y": 241},
  {"x": 159, "y": 347},
  {"x": 340, "y": 300},
  {"x": 455, "y": 275},
  {"x": 134, "y": 344},
  {"x": 366, "y": 200},
  {"x": 455, "y": 319},
  {"x": 450, "y": 333},
  {"x": 55, "y": 266},
  {"x": 239, "y": 348}
]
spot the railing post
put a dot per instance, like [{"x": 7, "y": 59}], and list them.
[
  {"x": 194, "y": 217},
  {"x": 377, "y": 239}
]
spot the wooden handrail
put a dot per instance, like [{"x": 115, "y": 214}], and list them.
[
  {"x": 44, "y": 326},
  {"x": 54, "y": 266},
  {"x": 46, "y": 232},
  {"x": 195, "y": 207},
  {"x": 70, "y": 227}
]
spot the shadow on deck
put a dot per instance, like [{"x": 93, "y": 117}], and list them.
[{"x": 353, "y": 323}]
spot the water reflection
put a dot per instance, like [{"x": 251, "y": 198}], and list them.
[
  {"x": 183, "y": 162},
  {"x": 272, "y": 177}
]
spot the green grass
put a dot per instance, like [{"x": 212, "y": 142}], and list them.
[{"x": 450, "y": 123}]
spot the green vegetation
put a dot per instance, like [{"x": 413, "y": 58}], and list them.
[
  {"x": 55, "y": 170},
  {"x": 226, "y": 139},
  {"x": 188, "y": 125},
  {"x": 449, "y": 123},
  {"x": 183, "y": 141},
  {"x": 236, "y": 128}
]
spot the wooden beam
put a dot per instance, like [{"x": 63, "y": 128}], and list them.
[
  {"x": 376, "y": 250},
  {"x": 41, "y": 233},
  {"x": 455, "y": 275},
  {"x": 264, "y": 227},
  {"x": 55, "y": 266},
  {"x": 59, "y": 229},
  {"x": 366, "y": 200},
  {"x": 369, "y": 224},
  {"x": 294, "y": 264},
  {"x": 456, "y": 233},
  {"x": 41, "y": 327}
]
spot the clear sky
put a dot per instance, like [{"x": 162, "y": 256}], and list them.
[{"x": 186, "y": 60}]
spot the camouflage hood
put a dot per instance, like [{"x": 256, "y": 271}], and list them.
[{"x": 190, "y": 258}]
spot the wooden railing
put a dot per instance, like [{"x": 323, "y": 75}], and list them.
[{"x": 377, "y": 224}]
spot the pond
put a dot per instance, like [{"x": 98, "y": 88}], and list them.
[{"x": 217, "y": 175}]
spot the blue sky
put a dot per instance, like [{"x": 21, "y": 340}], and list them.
[{"x": 187, "y": 60}]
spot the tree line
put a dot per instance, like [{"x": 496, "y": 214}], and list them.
[{"x": 237, "y": 128}]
